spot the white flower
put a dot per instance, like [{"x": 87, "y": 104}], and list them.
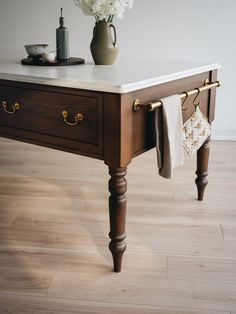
[
  {"x": 85, "y": 6},
  {"x": 104, "y": 10}
]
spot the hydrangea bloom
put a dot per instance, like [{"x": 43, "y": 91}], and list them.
[{"x": 104, "y": 10}]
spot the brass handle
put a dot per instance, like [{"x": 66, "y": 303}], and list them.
[
  {"x": 78, "y": 118},
  {"x": 15, "y": 107}
]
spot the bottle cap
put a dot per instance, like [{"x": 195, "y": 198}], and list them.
[{"x": 61, "y": 20}]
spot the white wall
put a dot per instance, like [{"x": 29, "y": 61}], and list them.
[{"x": 180, "y": 29}]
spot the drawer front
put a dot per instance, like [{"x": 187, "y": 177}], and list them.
[{"x": 41, "y": 112}]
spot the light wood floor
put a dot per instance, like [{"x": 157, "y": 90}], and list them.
[{"x": 181, "y": 253}]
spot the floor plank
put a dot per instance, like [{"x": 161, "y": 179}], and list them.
[
  {"x": 13, "y": 304},
  {"x": 29, "y": 281},
  {"x": 208, "y": 269},
  {"x": 71, "y": 261},
  {"x": 229, "y": 230},
  {"x": 142, "y": 289}
]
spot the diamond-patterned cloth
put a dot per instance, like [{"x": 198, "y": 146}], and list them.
[{"x": 195, "y": 131}]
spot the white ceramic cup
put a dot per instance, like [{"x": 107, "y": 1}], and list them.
[{"x": 49, "y": 56}]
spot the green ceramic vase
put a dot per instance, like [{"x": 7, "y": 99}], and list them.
[{"x": 103, "y": 45}]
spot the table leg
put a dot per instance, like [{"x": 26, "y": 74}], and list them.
[
  {"x": 117, "y": 210},
  {"x": 202, "y": 168}
]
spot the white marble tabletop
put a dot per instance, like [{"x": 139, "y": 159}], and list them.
[{"x": 128, "y": 74}]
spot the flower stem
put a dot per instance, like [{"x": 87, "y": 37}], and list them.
[{"x": 110, "y": 18}]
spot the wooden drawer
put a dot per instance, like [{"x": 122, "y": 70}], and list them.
[{"x": 41, "y": 112}]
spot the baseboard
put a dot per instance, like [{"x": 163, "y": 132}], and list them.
[{"x": 224, "y": 134}]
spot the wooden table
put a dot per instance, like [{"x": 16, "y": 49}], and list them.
[{"x": 88, "y": 110}]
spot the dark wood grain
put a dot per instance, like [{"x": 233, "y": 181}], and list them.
[
  {"x": 42, "y": 62},
  {"x": 39, "y": 118},
  {"x": 212, "y": 98},
  {"x": 117, "y": 210},
  {"x": 41, "y": 112},
  {"x": 50, "y": 88},
  {"x": 202, "y": 168},
  {"x": 117, "y": 127},
  {"x": 53, "y": 142}
]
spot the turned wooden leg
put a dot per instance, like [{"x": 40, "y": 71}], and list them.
[
  {"x": 202, "y": 168},
  {"x": 117, "y": 210}
]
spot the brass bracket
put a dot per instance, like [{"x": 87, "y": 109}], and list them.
[{"x": 137, "y": 105}]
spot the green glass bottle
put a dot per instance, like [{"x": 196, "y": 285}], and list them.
[{"x": 62, "y": 35}]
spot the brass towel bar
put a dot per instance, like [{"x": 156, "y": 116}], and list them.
[{"x": 137, "y": 105}]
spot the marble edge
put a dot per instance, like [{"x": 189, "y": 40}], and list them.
[
  {"x": 118, "y": 89},
  {"x": 60, "y": 83},
  {"x": 167, "y": 78}
]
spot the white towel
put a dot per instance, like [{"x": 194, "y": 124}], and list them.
[{"x": 169, "y": 136}]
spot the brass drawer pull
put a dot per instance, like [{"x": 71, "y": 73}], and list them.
[
  {"x": 15, "y": 107},
  {"x": 78, "y": 118}
]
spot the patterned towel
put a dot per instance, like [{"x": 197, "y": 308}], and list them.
[{"x": 195, "y": 131}]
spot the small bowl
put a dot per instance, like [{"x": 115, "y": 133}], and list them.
[
  {"x": 36, "y": 51},
  {"x": 49, "y": 56}
]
